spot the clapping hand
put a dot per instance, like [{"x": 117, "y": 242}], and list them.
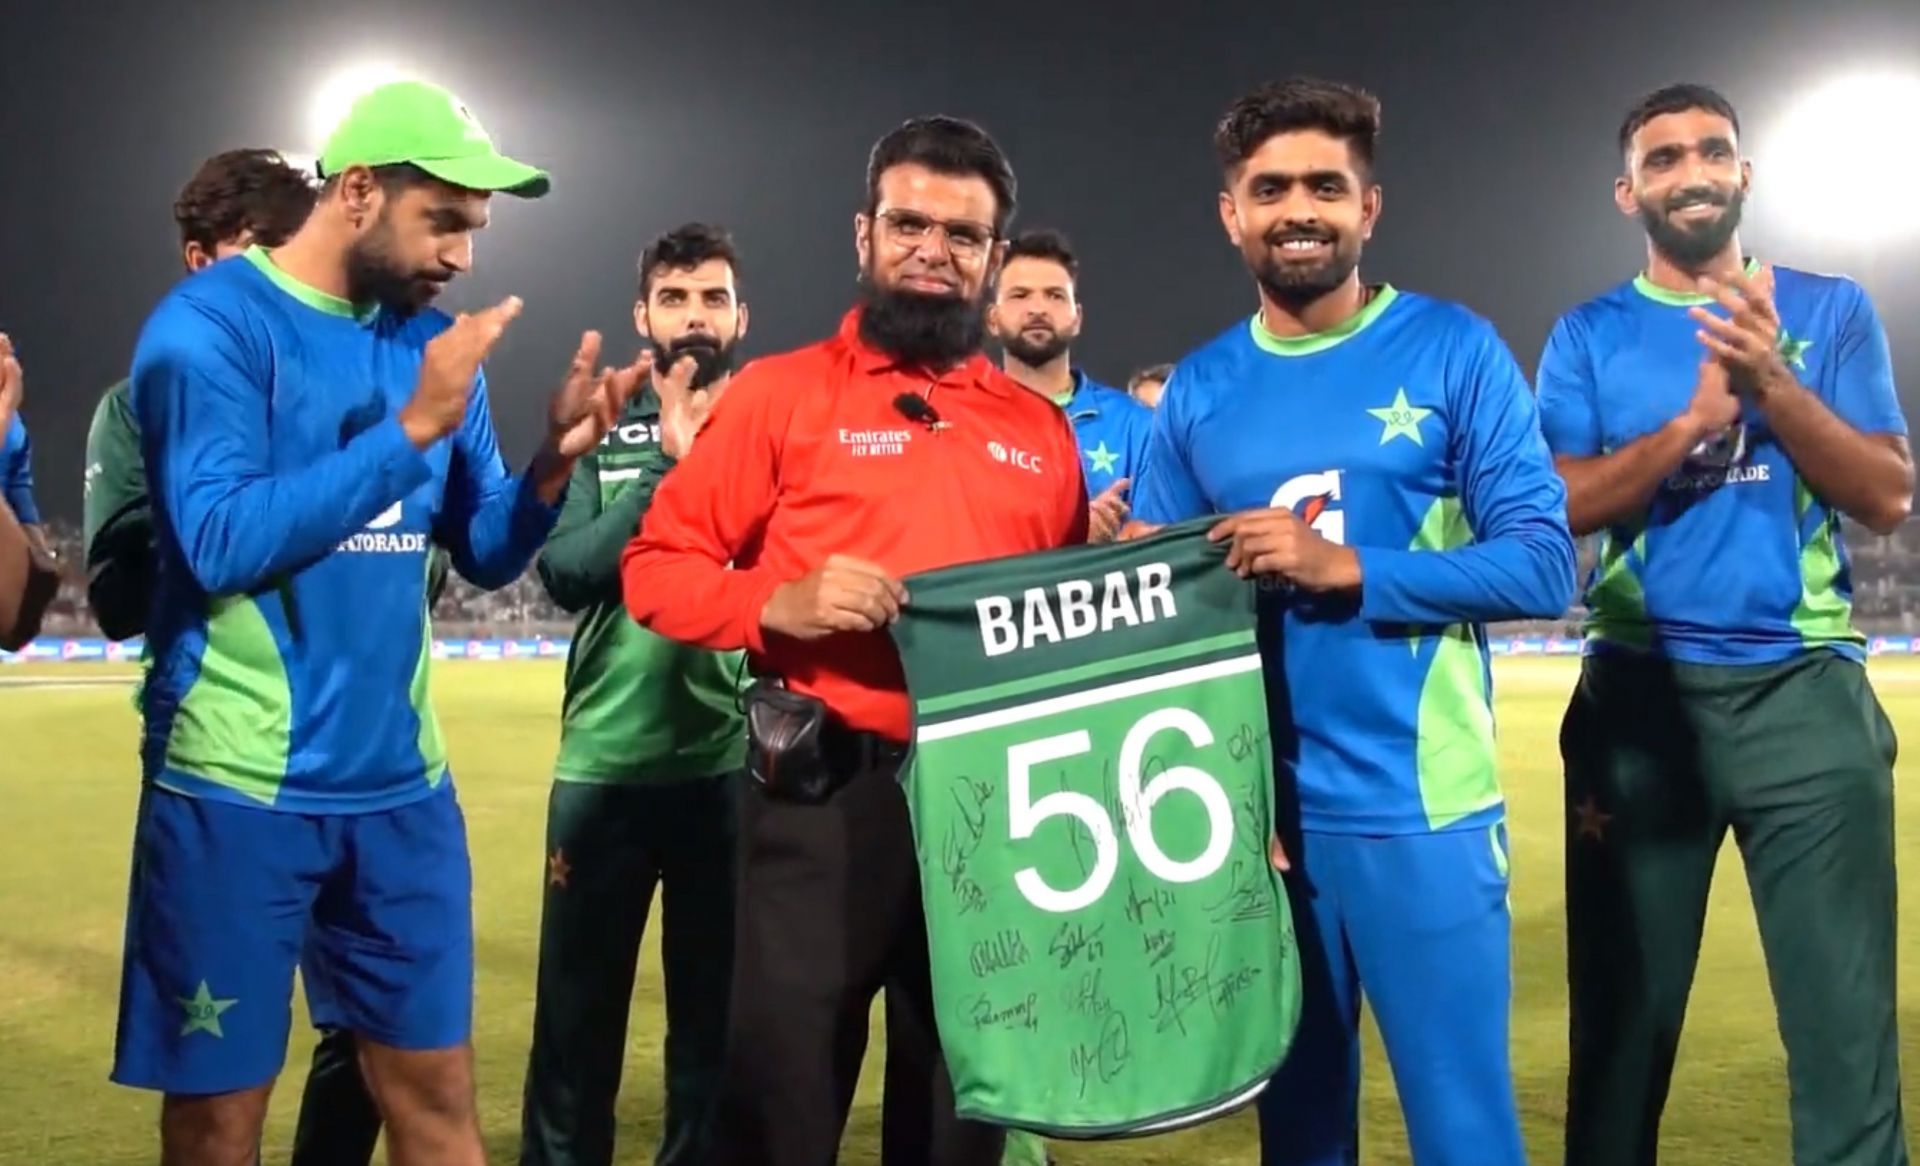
[
  {"x": 588, "y": 403},
  {"x": 683, "y": 408},
  {"x": 1747, "y": 339}
]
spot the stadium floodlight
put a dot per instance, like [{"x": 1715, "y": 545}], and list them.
[
  {"x": 1837, "y": 166},
  {"x": 337, "y": 92}
]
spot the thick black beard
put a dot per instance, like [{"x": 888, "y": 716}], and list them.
[
  {"x": 1035, "y": 355},
  {"x": 934, "y": 332},
  {"x": 711, "y": 359},
  {"x": 1692, "y": 248},
  {"x": 1294, "y": 287},
  {"x": 373, "y": 277}
]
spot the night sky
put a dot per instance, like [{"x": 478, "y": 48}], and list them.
[{"x": 1497, "y": 153}]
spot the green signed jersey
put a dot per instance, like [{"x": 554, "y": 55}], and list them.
[{"x": 1092, "y": 798}]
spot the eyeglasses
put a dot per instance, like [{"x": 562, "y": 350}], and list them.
[{"x": 911, "y": 230}]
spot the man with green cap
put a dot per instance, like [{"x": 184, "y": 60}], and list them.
[{"x": 310, "y": 427}]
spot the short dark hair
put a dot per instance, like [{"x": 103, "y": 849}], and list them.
[
  {"x": 1153, "y": 372},
  {"x": 1045, "y": 243},
  {"x": 1339, "y": 110},
  {"x": 238, "y": 191},
  {"x": 1677, "y": 98},
  {"x": 946, "y": 145},
  {"x": 687, "y": 246}
]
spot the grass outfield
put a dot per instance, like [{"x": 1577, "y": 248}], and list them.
[{"x": 66, "y": 769}]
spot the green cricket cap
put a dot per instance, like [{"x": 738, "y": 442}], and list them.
[{"x": 413, "y": 121}]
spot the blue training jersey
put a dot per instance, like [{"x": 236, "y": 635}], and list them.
[
  {"x": 289, "y": 636},
  {"x": 16, "y": 472},
  {"x": 1112, "y": 430},
  {"x": 1735, "y": 561},
  {"x": 1409, "y": 434}
]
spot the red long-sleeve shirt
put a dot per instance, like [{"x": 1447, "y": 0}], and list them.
[{"x": 807, "y": 456}]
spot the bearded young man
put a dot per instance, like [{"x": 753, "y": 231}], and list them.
[
  {"x": 309, "y": 425},
  {"x": 1379, "y": 459},
  {"x": 822, "y": 478},
  {"x": 651, "y": 740},
  {"x": 1714, "y": 418},
  {"x": 1036, "y": 316}
]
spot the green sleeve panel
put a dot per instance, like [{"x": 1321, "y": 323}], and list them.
[{"x": 117, "y": 519}]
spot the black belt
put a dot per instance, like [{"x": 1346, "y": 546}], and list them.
[{"x": 853, "y": 750}]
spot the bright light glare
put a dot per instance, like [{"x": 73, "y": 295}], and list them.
[
  {"x": 1838, "y": 165},
  {"x": 336, "y": 94}
]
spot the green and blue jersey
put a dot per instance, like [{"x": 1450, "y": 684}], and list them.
[
  {"x": 1735, "y": 561},
  {"x": 293, "y": 521},
  {"x": 1408, "y": 433}
]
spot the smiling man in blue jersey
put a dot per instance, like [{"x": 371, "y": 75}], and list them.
[
  {"x": 1036, "y": 317},
  {"x": 309, "y": 424},
  {"x": 1714, "y": 418},
  {"x": 1379, "y": 457}
]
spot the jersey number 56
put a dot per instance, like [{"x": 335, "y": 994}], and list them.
[{"x": 1025, "y": 813}]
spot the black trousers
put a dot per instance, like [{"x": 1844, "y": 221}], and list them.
[
  {"x": 339, "y": 1123},
  {"x": 828, "y": 914}
]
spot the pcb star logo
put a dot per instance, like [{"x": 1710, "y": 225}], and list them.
[
  {"x": 1104, "y": 460},
  {"x": 1794, "y": 350},
  {"x": 1400, "y": 419},
  {"x": 558, "y": 868},
  {"x": 203, "y": 1012},
  {"x": 1591, "y": 820}
]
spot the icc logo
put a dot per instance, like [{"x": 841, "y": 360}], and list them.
[
  {"x": 1315, "y": 498},
  {"x": 1015, "y": 457}
]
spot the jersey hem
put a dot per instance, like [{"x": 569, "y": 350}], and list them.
[
  {"x": 1683, "y": 652},
  {"x": 1399, "y": 826},
  {"x": 295, "y": 802},
  {"x": 644, "y": 776}
]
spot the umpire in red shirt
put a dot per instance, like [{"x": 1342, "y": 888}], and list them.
[{"x": 824, "y": 477}]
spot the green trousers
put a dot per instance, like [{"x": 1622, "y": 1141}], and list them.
[
  {"x": 608, "y": 847},
  {"x": 1796, "y": 759}
]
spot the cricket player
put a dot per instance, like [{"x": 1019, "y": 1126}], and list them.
[
  {"x": 1379, "y": 458},
  {"x": 235, "y": 199},
  {"x": 308, "y": 424},
  {"x": 651, "y": 738},
  {"x": 29, "y": 577},
  {"x": 1714, "y": 418},
  {"x": 1036, "y": 315}
]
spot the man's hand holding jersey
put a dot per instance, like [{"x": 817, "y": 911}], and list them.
[
  {"x": 1276, "y": 543},
  {"x": 844, "y": 594}
]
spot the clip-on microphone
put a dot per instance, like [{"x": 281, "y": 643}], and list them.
[{"x": 919, "y": 410}]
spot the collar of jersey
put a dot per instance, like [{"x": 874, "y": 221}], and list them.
[
  {"x": 307, "y": 294},
  {"x": 1662, "y": 295},
  {"x": 976, "y": 370},
  {"x": 1314, "y": 342},
  {"x": 1066, "y": 400}
]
